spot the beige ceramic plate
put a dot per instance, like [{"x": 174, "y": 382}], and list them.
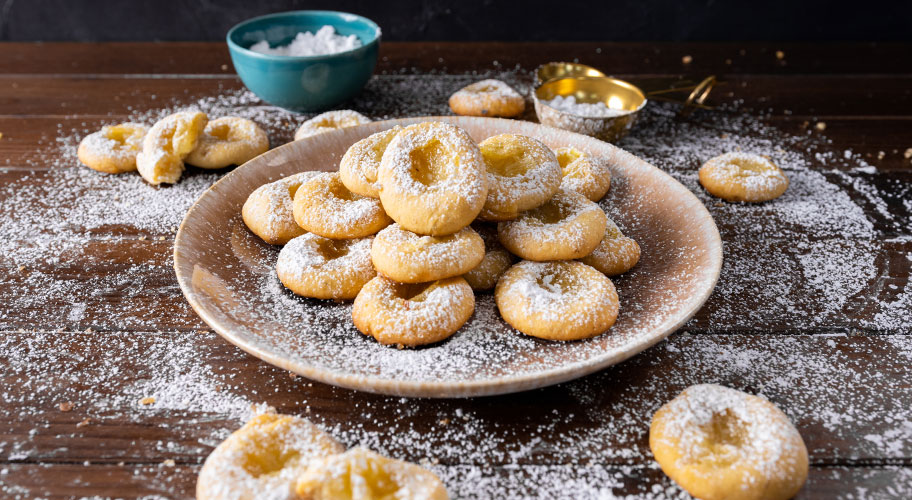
[{"x": 227, "y": 275}]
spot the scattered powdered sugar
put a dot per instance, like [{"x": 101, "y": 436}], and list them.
[
  {"x": 568, "y": 104},
  {"x": 325, "y": 41},
  {"x": 89, "y": 242}
]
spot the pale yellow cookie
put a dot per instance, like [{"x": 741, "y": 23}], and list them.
[
  {"x": 523, "y": 174},
  {"x": 560, "y": 300},
  {"x": 229, "y": 140},
  {"x": 432, "y": 179},
  {"x": 721, "y": 444},
  {"x": 321, "y": 268},
  {"x": 585, "y": 174},
  {"x": 616, "y": 254},
  {"x": 329, "y": 121},
  {"x": 112, "y": 149},
  {"x": 323, "y": 205},
  {"x": 488, "y": 98},
  {"x": 413, "y": 258},
  {"x": 167, "y": 143},
  {"x": 496, "y": 260},
  {"x": 568, "y": 226},
  {"x": 412, "y": 314},
  {"x": 743, "y": 177},
  {"x": 360, "y": 474},
  {"x": 358, "y": 168},
  {"x": 269, "y": 210},
  {"x": 264, "y": 459}
]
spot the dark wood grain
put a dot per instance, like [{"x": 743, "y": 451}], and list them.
[{"x": 814, "y": 363}]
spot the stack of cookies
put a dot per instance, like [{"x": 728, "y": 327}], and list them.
[{"x": 419, "y": 218}]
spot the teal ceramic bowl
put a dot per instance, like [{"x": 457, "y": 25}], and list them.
[{"x": 309, "y": 83}]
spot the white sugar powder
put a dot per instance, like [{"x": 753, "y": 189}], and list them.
[
  {"x": 324, "y": 42},
  {"x": 568, "y": 104}
]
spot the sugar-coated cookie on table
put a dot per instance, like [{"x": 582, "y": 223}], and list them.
[
  {"x": 362, "y": 474},
  {"x": 263, "y": 459},
  {"x": 722, "y": 444},
  {"x": 523, "y": 174},
  {"x": 583, "y": 173},
  {"x": 615, "y": 254},
  {"x": 743, "y": 177},
  {"x": 323, "y": 205},
  {"x": 269, "y": 210},
  {"x": 487, "y": 98},
  {"x": 413, "y": 258},
  {"x": 415, "y": 314},
  {"x": 167, "y": 144},
  {"x": 558, "y": 300},
  {"x": 329, "y": 121},
  {"x": 112, "y": 149},
  {"x": 322, "y": 268},
  {"x": 432, "y": 179},
  {"x": 358, "y": 168},
  {"x": 568, "y": 226},
  {"x": 229, "y": 140}
]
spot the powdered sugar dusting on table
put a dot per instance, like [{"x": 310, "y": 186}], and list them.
[{"x": 53, "y": 218}]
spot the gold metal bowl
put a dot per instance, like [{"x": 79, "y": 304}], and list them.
[
  {"x": 616, "y": 94},
  {"x": 558, "y": 70}
]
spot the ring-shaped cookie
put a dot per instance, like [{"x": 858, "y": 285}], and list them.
[
  {"x": 359, "y": 165},
  {"x": 263, "y": 459},
  {"x": 560, "y": 300},
  {"x": 412, "y": 314},
  {"x": 322, "y": 268},
  {"x": 329, "y": 121},
  {"x": 487, "y": 98},
  {"x": 615, "y": 254},
  {"x": 167, "y": 143},
  {"x": 568, "y": 226},
  {"x": 269, "y": 210},
  {"x": 323, "y": 205},
  {"x": 496, "y": 260},
  {"x": 112, "y": 149},
  {"x": 432, "y": 179},
  {"x": 229, "y": 140},
  {"x": 585, "y": 174},
  {"x": 362, "y": 474},
  {"x": 719, "y": 443},
  {"x": 523, "y": 174},
  {"x": 413, "y": 258},
  {"x": 743, "y": 177}
]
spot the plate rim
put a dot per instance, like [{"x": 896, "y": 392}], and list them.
[{"x": 437, "y": 389}]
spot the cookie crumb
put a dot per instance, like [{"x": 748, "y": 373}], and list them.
[
  {"x": 908, "y": 154},
  {"x": 148, "y": 400},
  {"x": 168, "y": 463},
  {"x": 85, "y": 422},
  {"x": 66, "y": 406},
  {"x": 780, "y": 55},
  {"x": 821, "y": 126},
  {"x": 443, "y": 422},
  {"x": 687, "y": 59},
  {"x": 880, "y": 155},
  {"x": 224, "y": 67}
]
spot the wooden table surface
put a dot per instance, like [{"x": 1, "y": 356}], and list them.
[{"x": 55, "y": 444}]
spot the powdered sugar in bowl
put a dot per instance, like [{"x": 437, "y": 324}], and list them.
[
  {"x": 602, "y": 107},
  {"x": 343, "y": 52}
]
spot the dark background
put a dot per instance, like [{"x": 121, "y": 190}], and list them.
[{"x": 508, "y": 20}]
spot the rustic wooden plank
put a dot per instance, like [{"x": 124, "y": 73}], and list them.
[
  {"x": 842, "y": 392},
  {"x": 813, "y": 95},
  {"x": 212, "y": 58},
  {"x": 64, "y": 481}
]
